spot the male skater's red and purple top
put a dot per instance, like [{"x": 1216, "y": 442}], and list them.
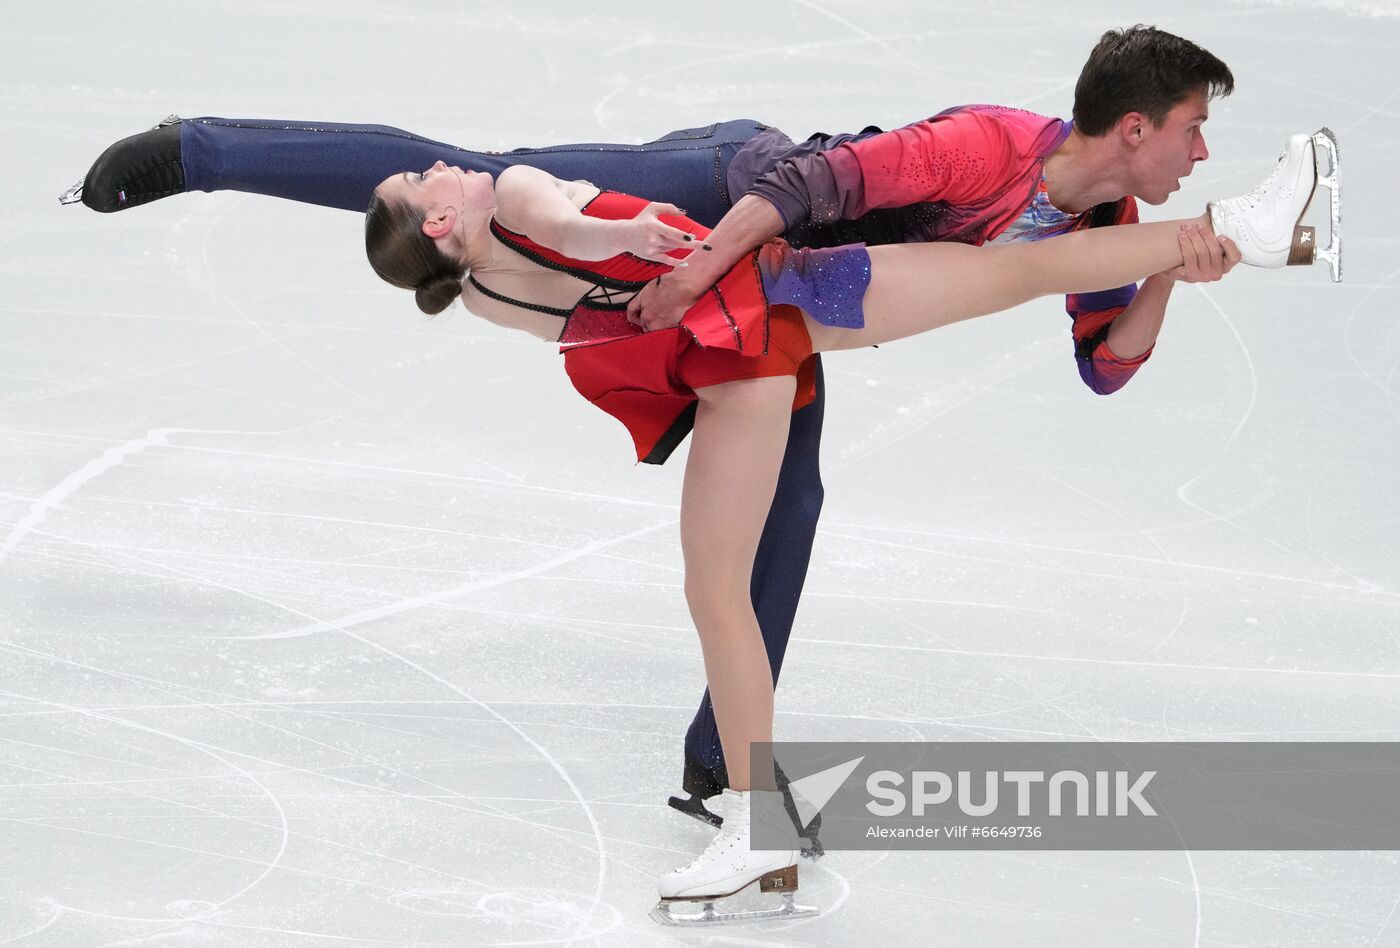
[{"x": 972, "y": 174}]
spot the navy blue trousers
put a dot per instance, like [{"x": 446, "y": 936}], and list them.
[{"x": 338, "y": 165}]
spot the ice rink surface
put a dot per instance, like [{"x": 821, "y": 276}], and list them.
[{"x": 322, "y": 623}]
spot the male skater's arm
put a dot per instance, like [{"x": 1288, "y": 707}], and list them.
[
  {"x": 662, "y": 303},
  {"x": 1115, "y": 330},
  {"x": 958, "y": 158}
]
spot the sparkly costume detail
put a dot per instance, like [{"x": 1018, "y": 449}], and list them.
[{"x": 829, "y": 285}]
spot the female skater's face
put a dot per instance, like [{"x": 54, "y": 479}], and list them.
[{"x": 442, "y": 192}]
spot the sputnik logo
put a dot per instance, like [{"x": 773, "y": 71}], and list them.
[{"x": 814, "y": 791}]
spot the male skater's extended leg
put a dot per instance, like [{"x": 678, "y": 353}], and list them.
[{"x": 338, "y": 165}]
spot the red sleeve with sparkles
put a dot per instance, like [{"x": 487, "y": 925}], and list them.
[
  {"x": 1093, "y": 313},
  {"x": 960, "y": 158}
]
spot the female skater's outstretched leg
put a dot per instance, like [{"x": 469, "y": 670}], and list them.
[{"x": 918, "y": 287}]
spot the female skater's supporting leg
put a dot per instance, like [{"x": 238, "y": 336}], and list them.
[
  {"x": 735, "y": 452},
  {"x": 730, "y": 477},
  {"x": 918, "y": 287},
  {"x": 780, "y": 569}
]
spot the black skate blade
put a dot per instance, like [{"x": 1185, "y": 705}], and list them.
[{"x": 694, "y": 807}]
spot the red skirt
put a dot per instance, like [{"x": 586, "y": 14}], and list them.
[{"x": 647, "y": 380}]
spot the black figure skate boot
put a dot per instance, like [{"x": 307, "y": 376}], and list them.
[{"x": 136, "y": 170}]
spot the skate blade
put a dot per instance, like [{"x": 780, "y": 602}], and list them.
[
  {"x": 695, "y": 809},
  {"x": 73, "y": 195},
  {"x": 1325, "y": 140},
  {"x": 666, "y": 913}
]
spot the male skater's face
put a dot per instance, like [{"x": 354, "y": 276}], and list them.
[{"x": 1167, "y": 154}]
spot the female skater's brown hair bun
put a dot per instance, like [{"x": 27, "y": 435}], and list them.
[
  {"x": 403, "y": 255},
  {"x": 437, "y": 292}
]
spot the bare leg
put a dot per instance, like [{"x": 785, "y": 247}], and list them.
[
  {"x": 735, "y": 452},
  {"x": 918, "y": 287}
]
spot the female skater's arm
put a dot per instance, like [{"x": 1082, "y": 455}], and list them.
[{"x": 533, "y": 202}]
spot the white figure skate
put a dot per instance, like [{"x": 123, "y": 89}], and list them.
[
  {"x": 1267, "y": 223},
  {"x": 726, "y": 867}
]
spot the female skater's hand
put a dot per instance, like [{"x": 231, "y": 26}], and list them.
[
  {"x": 1206, "y": 257},
  {"x": 648, "y": 237}
]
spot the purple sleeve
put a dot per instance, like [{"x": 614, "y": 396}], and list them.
[
  {"x": 1093, "y": 313},
  {"x": 794, "y": 178},
  {"x": 802, "y": 189}
]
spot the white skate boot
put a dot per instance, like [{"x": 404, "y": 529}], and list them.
[
  {"x": 726, "y": 867},
  {"x": 1267, "y": 223}
]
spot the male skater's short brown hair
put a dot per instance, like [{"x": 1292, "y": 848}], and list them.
[{"x": 1143, "y": 69}]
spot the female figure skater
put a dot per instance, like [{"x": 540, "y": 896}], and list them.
[{"x": 560, "y": 259}]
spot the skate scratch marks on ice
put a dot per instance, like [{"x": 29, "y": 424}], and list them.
[
  {"x": 1112, "y": 662},
  {"x": 1228, "y": 517},
  {"x": 914, "y": 68},
  {"x": 1184, "y": 489},
  {"x": 453, "y": 592},
  {"x": 511, "y": 485},
  {"x": 53, "y": 498},
  {"x": 281, "y": 766},
  {"x": 344, "y": 624},
  {"x": 283, "y": 826},
  {"x": 1368, "y": 588},
  {"x": 538, "y": 748}
]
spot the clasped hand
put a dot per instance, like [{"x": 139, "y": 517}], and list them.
[
  {"x": 661, "y": 303},
  {"x": 1206, "y": 257}
]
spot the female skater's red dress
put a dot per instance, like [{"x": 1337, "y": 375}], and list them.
[{"x": 647, "y": 380}]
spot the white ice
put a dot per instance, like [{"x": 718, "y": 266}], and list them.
[{"x": 326, "y": 624}]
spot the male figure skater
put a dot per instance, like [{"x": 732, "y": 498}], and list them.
[{"x": 973, "y": 174}]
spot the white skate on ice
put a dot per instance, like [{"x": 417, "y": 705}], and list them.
[
  {"x": 726, "y": 867},
  {"x": 1267, "y": 223}
]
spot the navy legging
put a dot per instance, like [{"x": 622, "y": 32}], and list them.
[{"x": 338, "y": 165}]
